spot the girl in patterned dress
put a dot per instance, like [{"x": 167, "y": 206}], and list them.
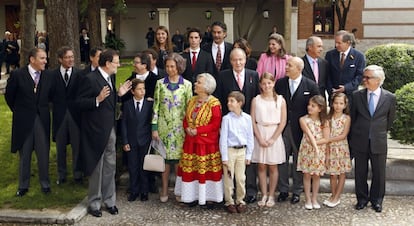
[
  {"x": 338, "y": 160},
  {"x": 311, "y": 157}
]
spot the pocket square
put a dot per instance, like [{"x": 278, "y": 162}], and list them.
[
  {"x": 306, "y": 93},
  {"x": 352, "y": 65}
]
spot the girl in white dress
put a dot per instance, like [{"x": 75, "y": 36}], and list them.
[{"x": 269, "y": 119}]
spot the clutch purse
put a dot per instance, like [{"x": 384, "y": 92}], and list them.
[{"x": 153, "y": 162}]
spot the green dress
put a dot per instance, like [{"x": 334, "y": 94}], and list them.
[{"x": 170, "y": 102}]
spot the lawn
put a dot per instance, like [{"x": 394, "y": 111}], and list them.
[{"x": 63, "y": 196}]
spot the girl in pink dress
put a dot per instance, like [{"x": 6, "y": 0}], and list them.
[
  {"x": 269, "y": 119},
  {"x": 311, "y": 157},
  {"x": 338, "y": 161}
]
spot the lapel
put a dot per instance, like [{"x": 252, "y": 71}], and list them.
[
  {"x": 102, "y": 82},
  {"x": 365, "y": 101},
  {"x": 381, "y": 101},
  {"x": 308, "y": 68}
]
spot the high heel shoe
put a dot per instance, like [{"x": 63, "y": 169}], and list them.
[
  {"x": 262, "y": 202},
  {"x": 270, "y": 201}
]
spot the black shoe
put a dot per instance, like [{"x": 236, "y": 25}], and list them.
[
  {"x": 95, "y": 213},
  {"x": 112, "y": 210},
  {"x": 21, "y": 192},
  {"x": 360, "y": 205},
  {"x": 132, "y": 197},
  {"x": 144, "y": 196},
  {"x": 46, "y": 191},
  {"x": 295, "y": 199},
  {"x": 61, "y": 181},
  {"x": 282, "y": 196},
  {"x": 377, "y": 207},
  {"x": 251, "y": 199}
]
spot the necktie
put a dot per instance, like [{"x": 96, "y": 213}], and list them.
[
  {"x": 109, "y": 81},
  {"x": 316, "y": 71},
  {"x": 36, "y": 80},
  {"x": 239, "y": 81},
  {"x": 137, "y": 110},
  {"x": 292, "y": 88},
  {"x": 371, "y": 106},
  {"x": 218, "y": 58},
  {"x": 342, "y": 59},
  {"x": 194, "y": 60},
  {"x": 66, "y": 76}
]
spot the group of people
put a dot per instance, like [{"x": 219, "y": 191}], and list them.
[
  {"x": 240, "y": 121},
  {"x": 9, "y": 51}
]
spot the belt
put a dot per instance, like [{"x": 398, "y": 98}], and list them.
[{"x": 238, "y": 146}]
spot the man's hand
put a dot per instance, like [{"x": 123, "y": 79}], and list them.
[
  {"x": 124, "y": 88},
  {"x": 341, "y": 89},
  {"x": 126, "y": 147},
  {"x": 105, "y": 92}
]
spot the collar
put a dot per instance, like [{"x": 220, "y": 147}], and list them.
[
  {"x": 145, "y": 75},
  {"x": 63, "y": 70},
  {"x": 311, "y": 59},
  {"x": 241, "y": 73},
  {"x": 297, "y": 80},
  {"x": 140, "y": 100},
  {"x": 32, "y": 71},
  {"x": 346, "y": 52},
  {"x": 104, "y": 74},
  {"x": 194, "y": 50},
  {"x": 377, "y": 92}
]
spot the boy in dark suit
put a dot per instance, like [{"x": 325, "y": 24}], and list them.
[{"x": 136, "y": 138}]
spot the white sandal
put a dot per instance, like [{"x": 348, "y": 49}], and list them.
[{"x": 262, "y": 202}]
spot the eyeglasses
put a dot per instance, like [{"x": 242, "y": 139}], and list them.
[
  {"x": 367, "y": 77},
  {"x": 136, "y": 62},
  {"x": 116, "y": 63},
  {"x": 69, "y": 57}
]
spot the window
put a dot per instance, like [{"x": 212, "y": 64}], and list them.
[{"x": 323, "y": 21}]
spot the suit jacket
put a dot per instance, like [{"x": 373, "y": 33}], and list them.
[
  {"x": 161, "y": 73},
  {"x": 226, "y": 58},
  {"x": 350, "y": 75},
  {"x": 97, "y": 121},
  {"x": 323, "y": 73},
  {"x": 296, "y": 104},
  {"x": 136, "y": 128},
  {"x": 364, "y": 126},
  {"x": 204, "y": 64},
  {"x": 64, "y": 98},
  {"x": 227, "y": 83},
  {"x": 26, "y": 104}
]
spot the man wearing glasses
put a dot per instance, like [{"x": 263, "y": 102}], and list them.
[{"x": 97, "y": 100}]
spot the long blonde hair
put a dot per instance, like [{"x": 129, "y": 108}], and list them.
[{"x": 267, "y": 75}]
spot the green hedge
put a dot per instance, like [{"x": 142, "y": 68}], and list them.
[
  {"x": 403, "y": 128},
  {"x": 397, "y": 61}
]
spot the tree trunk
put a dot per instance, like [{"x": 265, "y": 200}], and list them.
[
  {"x": 27, "y": 30},
  {"x": 63, "y": 28},
  {"x": 94, "y": 15}
]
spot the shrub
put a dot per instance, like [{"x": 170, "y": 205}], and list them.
[
  {"x": 403, "y": 128},
  {"x": 397, "y": 61}
]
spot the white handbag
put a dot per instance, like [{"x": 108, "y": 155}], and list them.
[{"x": 153, "y": 162}]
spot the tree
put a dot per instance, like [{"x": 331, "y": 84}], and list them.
[
  {"x": 27, "y": 29},
  {"x": 63, "y": 27},
  {"x": 94, "y": 10},
  {"x": 342, "y": 9}
]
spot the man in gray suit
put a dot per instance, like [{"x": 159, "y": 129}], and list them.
[{"x": 372, "y": 114}]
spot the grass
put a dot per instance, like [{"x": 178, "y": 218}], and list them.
[{"x": 63, "y": 197}]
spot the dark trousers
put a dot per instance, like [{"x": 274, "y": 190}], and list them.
[
  {"x": 37, "y": 141},
  {"x": 68, "y": 133},
  {"x": 377, "y": 188},
  {"x": 138, "y": 177},
  {"x": 297, "y": 176},
  {"x": 251, "y": 179}
]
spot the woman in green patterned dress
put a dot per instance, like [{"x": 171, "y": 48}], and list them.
[{"x": 171, "y": 96}]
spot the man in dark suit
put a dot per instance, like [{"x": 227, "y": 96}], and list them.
[
  {"x": 94, "y": 59},
  {"x": 66, "y": 116},
  {"x": 97, "y": 100},
  {"x": 246, "y": 81},
  {"x": 136, "y": 138},
  {"x": 297, "y": 90},
  {"x": 161, "y": 73},
  {"x": 219, "y": 49},
  {"x": 198, "y": 61},
  {"x": 372, "y": 114},
  {"x": 316, "y": 68},
  {"x": 28, "y": 93},
  {"x": 345, "y": 66}
]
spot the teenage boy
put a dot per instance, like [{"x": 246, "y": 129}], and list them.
[{"x": 236, "y": 148}]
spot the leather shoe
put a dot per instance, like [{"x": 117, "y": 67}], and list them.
[
  {"x": 251, "y": 199},
  {"x": 241, "y": 208},
  {"x": 95, "y": 213},
  {"x": 21, "y": 192},
  {"x": 112, "y": 210},
  {"x": 231, "y": 209},
  {"x": 295, "y": 199},
  {"x": 282, "y": 196},
  {"x": 144, "y": 196},
  {"x": 132, "y": 197},
  {"x": 46, "y": 190},
  {"x": 377, "y": 207},
  {"x": 360, "y": 205}
]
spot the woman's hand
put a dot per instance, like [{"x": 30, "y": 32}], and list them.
[{"x": 155, "y": 135}]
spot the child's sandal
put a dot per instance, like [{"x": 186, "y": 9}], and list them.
[
  {"x": 271, "y": 201},
  {"x": 262, "y": 202}
]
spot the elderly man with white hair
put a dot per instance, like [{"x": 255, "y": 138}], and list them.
[{"x": 372, "y": 114}]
